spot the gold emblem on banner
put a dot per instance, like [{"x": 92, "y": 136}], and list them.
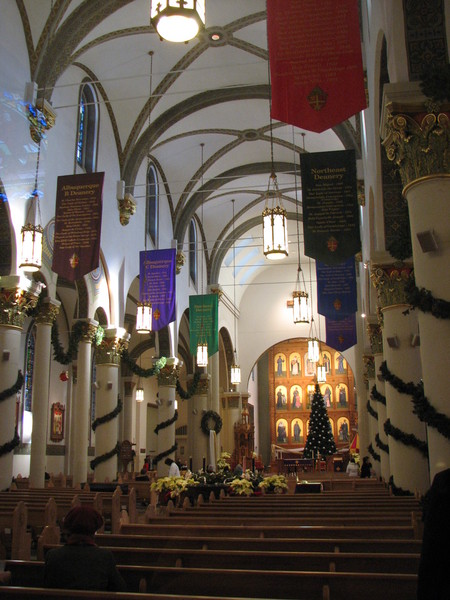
[{"x": 317, "y": 98}]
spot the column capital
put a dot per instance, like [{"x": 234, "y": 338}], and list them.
[
  {"x": 390, "y": 283},
  {"x": 415, "y": 131},
  {"x": 89, "y": 330},
  {"x": 369, "y": 368},
  {"x": 48, "y": 311},
  {"x": 375, "y": 337},
  {"x": 18, "y": 296},
  {"x": 203, "y": 384},
  {"x": 168, "y": 375},
  {"x": 110, "y": 349}
]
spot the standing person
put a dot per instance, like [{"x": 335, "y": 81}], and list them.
[
  {"x": 174, "y": 470},
  {"x": 80, "y": 564},
  {"x": 352, "y": 468},
  {"x": 366, "y": 467},
  {"x": 434, "y": 566}
]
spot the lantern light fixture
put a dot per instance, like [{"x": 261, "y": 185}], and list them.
[
  {"x": 139, "y": 388},
  {"x": 144, "y": 317},
  {"x": 202, "y": 344},
  {"x": 275, "y": 236},
  {"x": 177, "y": 20}
]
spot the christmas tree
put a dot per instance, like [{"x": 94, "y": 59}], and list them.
[{"x": 320, "y": 439}]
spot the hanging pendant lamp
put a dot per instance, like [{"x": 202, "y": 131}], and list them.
[
  {"x": 275, "y": 236},
  {"x": 235, "y": 370},
  {"x": 177, "y": 20},
  {"x": 202, "y": 344}
]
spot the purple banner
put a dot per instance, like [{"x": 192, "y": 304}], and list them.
[
  {"x": 157, "y": 284},
  {"x": 336, "y": 289},
  {"x": 341, "y": 334},
  {"x": 78, "y": 222}
]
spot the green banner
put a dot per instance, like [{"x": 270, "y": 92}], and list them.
[{"x": 204, "y": 322}]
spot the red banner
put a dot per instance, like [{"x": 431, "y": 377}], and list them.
[
  {"x": 315, "y": 60},
  {"x": 78, "y": 221}
]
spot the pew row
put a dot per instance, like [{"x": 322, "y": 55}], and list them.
[{"x": 247, "y": 583}]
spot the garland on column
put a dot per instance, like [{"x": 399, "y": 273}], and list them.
[
  {"x": 165, "y": 424},
  {"x": 64, "y": 358},
  {"x": 137, "y": 370},
  {"x": 109, "y": 416},
  {"x": 14, "y": 388},
  {"x": 192, "y": 387},
  {"x": 9, "y": 446},
  {"x": 408, "y": 439},
  {"x": 161, "y": 455},
  {"x": 381, "y": 445},
  {"x": 375, "y": 395},
  {"x": 398, "y": 491},
  {"x": 373, "y": 454},
  {"x": 424, "y": 300},
  {"x": 422, "y": 407},
  {"x": 371, "y": 411},
  {"x": 104, "y": 457}
]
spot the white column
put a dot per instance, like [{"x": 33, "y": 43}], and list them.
[
  {"x": 80, "y": 413},
  {"x": 17, "y": 296},
  {"x": 382, "y": 416},
  {"x": 197, "y": 440},
  {"x": 428, "y": 201},
  {"x": 167, "y": 381},
  {"x": 107, "y": 407},
  {"x": 48, "y": 312}
]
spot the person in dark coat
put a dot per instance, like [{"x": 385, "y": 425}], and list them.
[
  {"x": 80, "y": 564},
  {"x": 434, "y": 566}
]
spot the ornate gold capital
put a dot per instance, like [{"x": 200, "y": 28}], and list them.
[
  {"x": 16, "y": 301},
  {"x": 390, "y": 282},
  {"x": 202, "y": 385},
  {"x": 179, "y": 261},
  {"x": 42, "y": 117},
  {"x": 127, "y": 208},
  {"x": 48, "y": 311},
  {"x": 109, "y": 351},
  {"x": 168, "y": 375},
  {"x": 375, "y": 337},
  {"x": 369, "y": 367},
  {"x": 418, "y": 145}
]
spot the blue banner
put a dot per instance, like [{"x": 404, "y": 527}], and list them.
[
  {"x": 336, "y": 289},
  {"x": 341, "y": 334},
  {"x": 157, "y": 284}
]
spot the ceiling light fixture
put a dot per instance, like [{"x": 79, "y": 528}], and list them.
[
  {"x": 139, "y": 388},
  {"x": 300, "y": 305},
  {"x": 202, "y": 344},
  {"x": 177, "y": 20}
]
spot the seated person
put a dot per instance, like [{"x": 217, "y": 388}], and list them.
[
  {"x": 352, "y": 468},
  {"x": 80, "y": 564}
]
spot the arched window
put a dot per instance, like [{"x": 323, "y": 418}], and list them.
[
  {"x": 152, "y": 204},
  {"x": 193, "y": 251},
  {"x": 87, "y": 128}
]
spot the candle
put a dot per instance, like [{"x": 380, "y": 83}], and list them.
[
  {"x": 204, "y": 463},
  {"x": 190, "y": 463}
]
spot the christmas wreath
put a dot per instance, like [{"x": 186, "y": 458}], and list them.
[{"x": 211, "y": 417}]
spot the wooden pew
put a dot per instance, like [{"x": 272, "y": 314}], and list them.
[
  {"x": 267, "y": 560},
  {"x": 263, "y": 544},
  {"x": 249, "y": 583},
  {"x": 269, "y": 531},
  {"x": 15, "y": 520}
]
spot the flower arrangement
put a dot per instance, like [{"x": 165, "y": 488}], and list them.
[
  {"x": 276, "y": 484},
  {"x": 171, "y": 487},
  {"x": 241, "y": 487},
  {"x": 222, "y": 463}
]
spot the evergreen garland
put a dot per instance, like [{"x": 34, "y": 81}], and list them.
[
  {"x": 137, "y": 370},
  {"x": 104, "y": 457},
  {"x": 9, "y": 446},
  {"x": 422, "y": 407},
  {"x": 408, "y": 439},
  {"x": 398, "y": 491},
  {"x": 211, "y": 415},
  {"x": 165, "y": 424},
  {"x": 320, "y": 438},
  {"x": 109, "y": 416},
  {"x": 161, "y": 455},
  {"x": 375, "y": 395},
  {"x": 381, "y": 445},
  {"x": 423, "y": 300},
  {"x": 13, "y": 389},
  {"x": 65, "y": 358},
  {"x": 371, "y": 411},
  {"x": 192, "y": 387},
  {"x": 373, "y": 453}
]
